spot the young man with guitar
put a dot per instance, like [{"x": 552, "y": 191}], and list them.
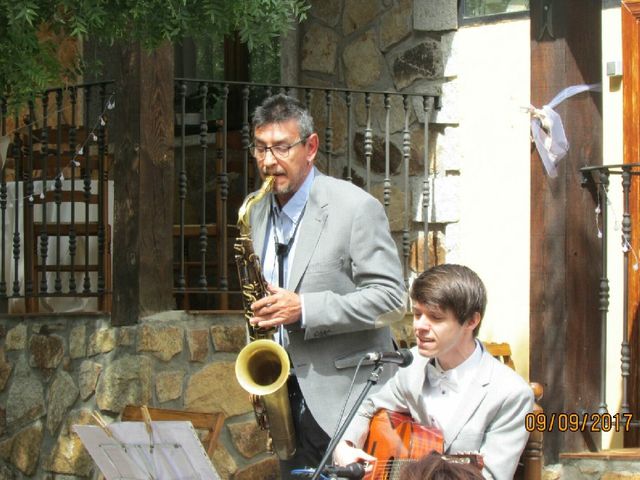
[{"x": 461, "y": 397}]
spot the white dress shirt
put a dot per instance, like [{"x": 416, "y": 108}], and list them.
[
  {"x": 285, "y": 220},
  {"x": 445, "y": 389}
]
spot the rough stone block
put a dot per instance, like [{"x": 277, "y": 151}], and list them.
[
  {"x": 395, "y": 25},
  {"x": 169, "y": 385},
  {"x": 77, "y": 342},
  {"x": 16, "y": 338},
  {"x": 422, "y": 61},
  {"x": 127, "y": 380},
  {"x": 61, "y": 396},
  {"x": 248, "y": 438},
  {"x": 45, "y": 352},
  {"x": 437, "y": 251},
  {"x": 363, "y": 62},
  {"x": 435, "y": 15},
  {"x": 88, "y": 378},
  {"x": 359, "y": 14},
  {"x": 163, "y": 341},
  {"x": 228, "y": 338},
  {"x": 69, "y": 455},
  {"x": 198, "y": 342},
  {"x": 319, "y": 49},
  {"x": 214, "y": 388},
  {"x": 266, "y": 469},
  {"x": 26, "y": 447},
  {"x": 102, "y": 341}
]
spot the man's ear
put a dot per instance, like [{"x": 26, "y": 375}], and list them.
[
  {"x": 312, "y": 143},
  {"x": 474, "y": 321}
]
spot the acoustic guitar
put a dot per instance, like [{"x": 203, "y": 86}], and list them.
[{"x": 395, "y": 439}]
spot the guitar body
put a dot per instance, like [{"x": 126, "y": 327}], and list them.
[{"x": 395, "y": 439}]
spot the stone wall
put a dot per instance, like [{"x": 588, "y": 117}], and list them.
[
  {"x": 392, "y": 45},
  {"x": 55, "y": 371}
]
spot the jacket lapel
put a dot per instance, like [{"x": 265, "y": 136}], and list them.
[
  {"x": 473, "y": 396},
  {"x": 313, "y": 222}
]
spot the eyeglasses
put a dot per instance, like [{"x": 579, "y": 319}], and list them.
[{"x": 279, "y": 151}]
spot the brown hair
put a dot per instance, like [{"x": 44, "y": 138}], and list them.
[
  {"x": 434, "y": 467},
  {"x": 451, "y": 287}
]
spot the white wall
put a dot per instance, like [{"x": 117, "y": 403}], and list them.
[
  {"x": 492, "y": 63},
  {"x": 612, "y": 154}
]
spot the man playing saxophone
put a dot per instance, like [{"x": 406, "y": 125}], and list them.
[{"x": 335, "y": 280}]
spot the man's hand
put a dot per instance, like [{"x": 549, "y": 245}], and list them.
[
  {"x": 282, "y": 307},
  {"x": 344, "y": 454}
]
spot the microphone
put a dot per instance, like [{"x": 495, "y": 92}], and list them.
[
  {"x": 402, "y": 357},
  {"x": 353, "y": 470}
]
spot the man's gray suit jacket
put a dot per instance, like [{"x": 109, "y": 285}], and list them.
[
  {"x": 347, "y": 269},
  {"x": 489, "y": 420}
]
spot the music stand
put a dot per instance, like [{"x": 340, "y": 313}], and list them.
[{"x": 148, "y": 450}]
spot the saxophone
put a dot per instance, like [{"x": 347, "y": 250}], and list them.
[{"x": 262, "y": 366}]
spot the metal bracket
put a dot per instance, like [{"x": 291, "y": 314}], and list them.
[{"x": 547, "y": 20}]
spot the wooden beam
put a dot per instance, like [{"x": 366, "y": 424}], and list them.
[
  {"x": 630, "y": 11},
  {"x": 143, "y": 170},
  {"x": 564, "y": 318}
]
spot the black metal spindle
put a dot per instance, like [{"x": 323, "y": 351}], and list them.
[
  {"x": 406, "y": 149},
  {"x": 348, "y": 100},
  {"x": 57, "y": 284},
  {"x": 626, "y": 239},
  {"x": 202, "y": 281},
  {"x": 3, "y": 205},
  {"x": 44, "y": 152},
  {"x": 86, "y": 284},
  {"x": 368, "y": 140},
  {"x": 182, "y": 184},
  {"x": 73, "y": 99},
  {"x": 387, "y": 154},
  {"x": 426, "y": 188},
  {"x": 223, "y": 186},
  {"x": 328, "y": 130},
  {"x": 102, "y": 184},
  {"x": 603, "y": 296},
  {"x": 31, "y": 250},
  {"x": 17, "y": 157},
  {"x": 246, "y": 139}
]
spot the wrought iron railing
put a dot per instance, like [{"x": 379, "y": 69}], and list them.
[
  {"x": 54, "y": 200},
  {"x": 597, "y": 179},
  {"x": 366, "y": 137}
]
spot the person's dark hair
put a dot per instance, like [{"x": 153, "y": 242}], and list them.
[
  {"x": 281, "y": 108},
  {"x": 434, "y": 467},
  {"x": 451, "y": 287}
]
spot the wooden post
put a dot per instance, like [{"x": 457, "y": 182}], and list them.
[
  {"x": 143, "y": 171},
  {"x": 630, "y": 11},
  {"x": 564, "y": 317}
]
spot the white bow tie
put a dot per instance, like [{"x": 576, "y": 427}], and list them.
[{"x": 442, "y": 379}]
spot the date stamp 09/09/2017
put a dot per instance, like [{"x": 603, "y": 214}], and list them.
[{"x": 578, "y": 422}]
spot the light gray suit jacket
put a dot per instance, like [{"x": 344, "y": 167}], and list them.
[
  {"x": 490, "y": 421},
  {"x": 347, "y": 269}
]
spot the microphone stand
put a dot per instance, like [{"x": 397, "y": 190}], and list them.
[{"x": 371, "y": 381}]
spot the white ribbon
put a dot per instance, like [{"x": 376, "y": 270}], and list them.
[{"x": 547, "y": 129}]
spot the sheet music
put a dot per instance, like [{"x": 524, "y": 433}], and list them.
[{"x": 174, "y": 452}]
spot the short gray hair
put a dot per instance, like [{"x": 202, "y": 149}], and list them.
[{"x": 281, "y": 108}]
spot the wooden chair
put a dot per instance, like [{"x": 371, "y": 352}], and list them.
[
  {"x": 532, "y": 460},
  {"x": 211, "y": 422},
  {"x": 82, "y": 232},
  {"x": 41, "y": 159}
]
